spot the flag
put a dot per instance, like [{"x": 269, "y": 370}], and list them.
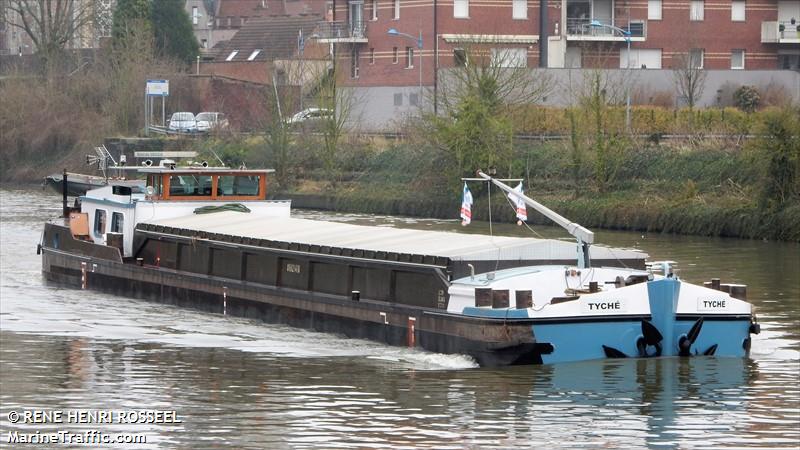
[
  {"x": 466, "y": 206},
  {"x": 519, "y": 203}
]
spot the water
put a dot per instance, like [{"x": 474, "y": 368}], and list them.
[{"x": 238, "y": 383}]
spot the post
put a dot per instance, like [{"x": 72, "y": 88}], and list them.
[
  {"x": 64, "y": 201},
  {"x": 163, "y": 111},
  {"x": 198, "y": 65},
  {"x": 628, "y": 93},
  {"x": 146, "y": 125},
  {"x": 543, "y": 33},
  {"x": 419, "y": 47}
]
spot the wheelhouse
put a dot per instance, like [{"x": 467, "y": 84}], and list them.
[{"x": 206, "y": 185}]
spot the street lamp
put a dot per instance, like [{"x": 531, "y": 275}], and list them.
[
  {"x": 627, "y": 35},
  {"x": 418, "y": 40}
]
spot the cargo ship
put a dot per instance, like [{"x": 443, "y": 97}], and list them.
[{"x": 210, "y": 239}]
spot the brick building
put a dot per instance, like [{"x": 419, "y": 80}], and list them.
[{"x": 713, "y": 34}]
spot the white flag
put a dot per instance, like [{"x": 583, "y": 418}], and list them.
[
  {"x": 519, "y": 203},
  {"x": 466, "y": 206}
]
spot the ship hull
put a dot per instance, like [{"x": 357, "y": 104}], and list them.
[{"x": 491, "y": 342}]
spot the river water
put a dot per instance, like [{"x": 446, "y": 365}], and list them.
[{"x": 238, "y": 383}]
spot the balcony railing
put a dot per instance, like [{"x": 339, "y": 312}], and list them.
[
  {"x": 582, "y": 29},
  {"x": 342, "y": 31},
  {"x": 780, "y": 32}
]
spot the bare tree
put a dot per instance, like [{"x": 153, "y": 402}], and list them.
[
  {"x": 594, "y": 93},
  {"x": 493, "y": 72},
  {"x": 477, "y": 101},
  {"x": 340, "y": 101},
  {"x": 689, "y": 77},
  {"x": 50, "y": 24}
]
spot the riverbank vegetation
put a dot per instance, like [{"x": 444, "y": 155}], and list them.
[{"x": 720, "y": 187}]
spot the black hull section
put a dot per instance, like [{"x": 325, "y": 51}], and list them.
[{"x": 490, "y": 342}]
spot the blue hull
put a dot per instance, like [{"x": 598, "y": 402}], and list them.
[{"x": 583, "y": 341}]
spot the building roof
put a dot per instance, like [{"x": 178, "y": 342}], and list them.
[
  {"x": 244, "y": 8},
  {"x": 267, "y": 38},
  {"x": 456, "y": 246}
]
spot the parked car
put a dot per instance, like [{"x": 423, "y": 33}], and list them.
[
  {"x": 183, "y": 121},
  {"x": 310, "y": 116},
  {"x": 211, "y": 121}
]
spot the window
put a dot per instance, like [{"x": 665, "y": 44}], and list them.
[
  {"x": 238, "y": 185},
  {"x": 99, "y": 222},
  {"x": 641, "y": 58},
  {"x": 394, "y": 55},
  {"x": 396, "y": 9},
  {"x": 374, "y": 9},
  {"x": 653, "y": 9},
  {"x": 789, "y": 59},
  {"x": 354, "y": 57},
  {"x": 413, "y": 99},
  {"x": 737, "y": 59},
  {"x": 737, "y": 11},
  {"x": 459, "y": 57},
  {"x": 195, "y": 15},
  {"x": 509, "y": 57},
  {"x": 696, "y": 58},
  {"x": 232, "y": 55},
  {"x": 204, "y": 43},
  {"x": 696, "y": 10},
  {"x": 519, "y": 9},
  {"x": 409, "y": 57},
  {"x": 117, "y": 222},
  {"x": 189, "y": 185},
  {"x": 461, "y": 9},
  {"x": 254, "y": 54},
  {"x": 398, "y": 99},
  {"x": 372, "y": 56}
]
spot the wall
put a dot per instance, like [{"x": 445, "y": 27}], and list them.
[{"x": 375, "y": 111}]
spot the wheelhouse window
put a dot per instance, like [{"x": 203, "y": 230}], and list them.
[
  {"x": 99, "y": 222},
  {"x": 238, "y": 185},
  {"x": 189, "y": 185},
  {"x": 117, "y": 222}
]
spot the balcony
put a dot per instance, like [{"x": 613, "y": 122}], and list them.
[
  {"x": 353, "y": 32},
  {"x": 780, "y": 32},
  {"x": 581, "y": 29}
]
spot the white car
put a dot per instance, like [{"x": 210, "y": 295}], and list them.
[
  {"x": 183, "y": 121},
  {"x": 310, "y": 115},
  {"x": 208, "y": 121}
]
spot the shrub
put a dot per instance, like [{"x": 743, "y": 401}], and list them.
[{"x": 747, "y": 98}]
